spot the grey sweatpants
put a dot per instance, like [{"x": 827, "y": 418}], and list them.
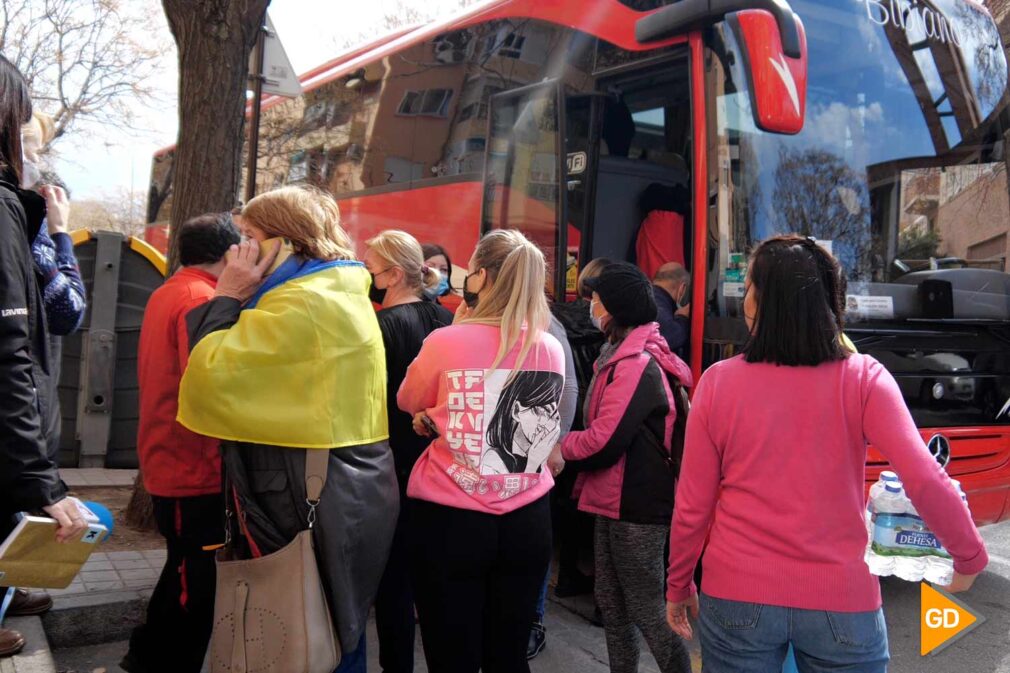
[{"x": 630, "y": 581}]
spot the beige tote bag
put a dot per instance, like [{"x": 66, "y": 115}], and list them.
[{"x": 270, "y": 613}]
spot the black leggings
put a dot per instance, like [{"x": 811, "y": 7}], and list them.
[{"x": 476, "y": 581}]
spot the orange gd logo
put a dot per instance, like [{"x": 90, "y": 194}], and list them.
[{"x": 943, "y": 619}]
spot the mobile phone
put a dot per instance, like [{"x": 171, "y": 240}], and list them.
[
  {"x": 286, "y": 251},
  {"x": 430, "y": 424}
]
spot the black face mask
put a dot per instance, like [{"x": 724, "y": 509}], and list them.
[
  {"x": 374, "y": 293},
  {"x": 469, "y": 297}
]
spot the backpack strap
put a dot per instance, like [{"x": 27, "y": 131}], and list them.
[{"x": 682, "y": 406}]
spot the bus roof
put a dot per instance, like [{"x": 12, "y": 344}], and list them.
[{"x": 607, "y": 19}]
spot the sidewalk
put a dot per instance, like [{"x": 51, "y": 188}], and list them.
[{"x": 76, "y": 477}]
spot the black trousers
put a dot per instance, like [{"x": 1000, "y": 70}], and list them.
[
  {"x": 180, "y": 615},
  {"x": 477, "y": 578},
  {"x": 394, "y": 603}
]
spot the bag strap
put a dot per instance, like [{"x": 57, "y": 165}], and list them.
[{"x": 317, "y": 463}]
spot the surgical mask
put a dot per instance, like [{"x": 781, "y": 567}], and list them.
[
  {"x": 443, "y": 286},
  {"x": 375, "y": 294},
  {"x": 30, "y": 173},
  {"x": 469, "y": 297},
  {"x": 597, "y": 321}
]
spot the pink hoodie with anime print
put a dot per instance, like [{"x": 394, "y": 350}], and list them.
[{"x": 495, "y": 432}]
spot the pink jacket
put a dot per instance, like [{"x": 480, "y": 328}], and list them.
[
  {"x": 495, "y": 433},
  {"x": 630, "y": 407}
]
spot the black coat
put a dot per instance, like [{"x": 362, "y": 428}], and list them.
[{"x": 28, "y": 476}]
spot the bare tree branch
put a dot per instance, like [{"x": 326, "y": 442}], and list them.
[{"x": 84, "y": 60}]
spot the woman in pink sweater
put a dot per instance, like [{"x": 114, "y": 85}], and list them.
[
  {"x": 488, "y": 389},
  {"x": 774, "y": 464}
]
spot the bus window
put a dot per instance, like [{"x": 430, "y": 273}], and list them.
[
  {"x": 523, "y": 171},
  {"x": 900, "y": 172}
]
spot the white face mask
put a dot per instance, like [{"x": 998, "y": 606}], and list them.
[
  {"x": 30, "y": 173},
  {"x": 597, "y": 321}
]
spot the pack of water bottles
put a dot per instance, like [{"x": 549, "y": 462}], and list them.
[{"x": 900, "y": 544}]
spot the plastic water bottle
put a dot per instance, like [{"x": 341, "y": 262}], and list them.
[
  {"x": 885, "y": 477},
  {"x": 886, "y": 505}
]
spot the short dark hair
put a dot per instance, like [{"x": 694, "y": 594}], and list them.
[
  {"x": 15, "y": 112},
  {"x": 800, "y": 299},
  {"x": 205, "y": 239}
]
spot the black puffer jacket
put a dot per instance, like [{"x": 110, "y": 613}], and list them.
[{"x": 28, "y": 477}]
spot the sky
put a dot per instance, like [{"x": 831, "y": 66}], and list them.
[{"x": 99, "y": 162}]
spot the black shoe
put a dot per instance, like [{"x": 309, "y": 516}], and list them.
[
  {"x": 538, "y": 640},
  {"x": 575, "y": 584}
]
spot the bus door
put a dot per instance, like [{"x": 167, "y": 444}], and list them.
[
  {"x": 524, "y": 168},
  {"x": 643, "y": 183}
]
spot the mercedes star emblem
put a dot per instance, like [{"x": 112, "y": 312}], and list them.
[{"x": 939, "y": 447}]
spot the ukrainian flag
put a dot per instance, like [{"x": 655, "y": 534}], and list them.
[{"x": 304, "y": 366}]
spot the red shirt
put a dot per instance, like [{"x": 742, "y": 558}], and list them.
[{"x": 175, "y": 462}]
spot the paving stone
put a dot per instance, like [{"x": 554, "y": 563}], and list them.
[
  {"x": 104, "y": 586},
  {"x": 141, "y": 574},
  {"x": 125, "y": 556},
  {"x": 96, "y": 565},
  {"x": 131, "y": 564},
  {"x": 99, "y": 576}
]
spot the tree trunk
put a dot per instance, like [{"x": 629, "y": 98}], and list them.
[
  {"x": 140, "y": 510},
  {"x": 214, "y": 39}
]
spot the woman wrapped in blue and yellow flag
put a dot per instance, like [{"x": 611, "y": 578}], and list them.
[{"x": 289, "y": 356}]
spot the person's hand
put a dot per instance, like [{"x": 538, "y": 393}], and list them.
[
  {"x": 677, "y": 613},
  {"x": 70, "y": 519},
  {"x": 545, "y": 436},
  {"x": 556, "y": 462},
  {"x": 423, "y": 425},
  {"x": 57, "y": 208},
  {"x": 960, "y": 583},
  {"x": 462, "y": 311},
  {"x": 242, "y": 273},
  {"x": 684, "y": 310}
]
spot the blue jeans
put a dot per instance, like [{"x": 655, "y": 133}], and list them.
[
  {"x": 356, "y": 661},
  {"x": 741, "y": 637},
  {"x": 542, "y": 598}
]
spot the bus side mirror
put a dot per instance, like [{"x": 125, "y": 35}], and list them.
[{"x": 778, "y": 82}]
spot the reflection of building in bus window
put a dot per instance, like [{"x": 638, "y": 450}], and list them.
[{"x": 346, "y": 177}]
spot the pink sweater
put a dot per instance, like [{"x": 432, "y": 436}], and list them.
[
  {"x": 494, "y": 434},
  {"x": 774, "y": 462}
]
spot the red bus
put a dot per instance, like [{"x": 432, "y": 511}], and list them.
[{"x": 875, "y": 126}]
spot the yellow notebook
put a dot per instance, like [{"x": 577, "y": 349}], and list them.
[{"x": 31, "y": 556}]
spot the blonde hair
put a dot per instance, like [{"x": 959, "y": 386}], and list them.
[
  {"x": 307, "y": 217},
  {"x": 517, "y": 270},
  {"x": 400, "y": 249},
  {"x": 40, "y": 127}
]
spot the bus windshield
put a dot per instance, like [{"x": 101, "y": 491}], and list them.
[{"x": 899, "y": 169}]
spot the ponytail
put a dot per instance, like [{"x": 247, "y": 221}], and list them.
[{"x": 516, "y": 299}]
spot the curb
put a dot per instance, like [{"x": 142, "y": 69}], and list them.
[
  {"x": 36, "y": 657},
  {"x": 93, "y": 619}
]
